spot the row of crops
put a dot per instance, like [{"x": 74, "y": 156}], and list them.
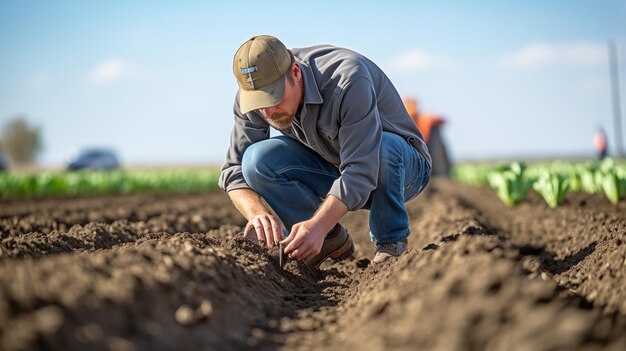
[
  {"x": 552, "y": 181},
  {"x": 511, "y": 182},
  {"x": 14, "y": 185}
]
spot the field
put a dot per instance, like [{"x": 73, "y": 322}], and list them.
[{"x": 172, "y": 272}]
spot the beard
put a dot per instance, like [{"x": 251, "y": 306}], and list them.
[{"x": 280, "y": 120}]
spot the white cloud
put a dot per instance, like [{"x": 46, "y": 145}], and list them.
[
  {"x": 542, "y": 54},
  {"x": 416, "y": 60},
  {"x": 108, "y": 71}
]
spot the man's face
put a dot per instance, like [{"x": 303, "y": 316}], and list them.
[{"x": 281, "y": 115}]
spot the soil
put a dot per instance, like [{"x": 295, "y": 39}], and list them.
[{"x": 173, "y": 272}]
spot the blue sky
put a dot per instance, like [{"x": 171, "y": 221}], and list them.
[{"x": 152, "y": 79}]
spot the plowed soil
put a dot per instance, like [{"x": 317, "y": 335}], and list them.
[{"x": 172, "y": 272}]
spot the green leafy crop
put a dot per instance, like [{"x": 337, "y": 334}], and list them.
[
  {"x": 611, "y": 180},
  {"x": 14, "y": 185},
  {"x": 510, "y": 183},
  {"x": 552, "y": 187}
]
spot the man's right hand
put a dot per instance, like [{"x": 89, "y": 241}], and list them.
[{"x": 268, "y": 230}]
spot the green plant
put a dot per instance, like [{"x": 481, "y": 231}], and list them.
[
  {"x": 611, "y": 180},
  {"x": 509, "y": 183},
  {"x": 552, "y": 187},
  {"x": 115, "y": 182}
]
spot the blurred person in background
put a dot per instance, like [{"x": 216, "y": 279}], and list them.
[
  {"x": 347, "y": 143},
  {"x": 599, "y": 143}
]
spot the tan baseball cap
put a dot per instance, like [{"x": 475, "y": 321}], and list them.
[{"x": 259, "y": 66}]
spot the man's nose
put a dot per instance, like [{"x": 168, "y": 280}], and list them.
[{"x": 267, "y": 111}]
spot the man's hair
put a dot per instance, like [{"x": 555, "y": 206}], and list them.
[{"x": 289, "y": 75}]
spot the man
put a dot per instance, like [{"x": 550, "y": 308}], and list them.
[
  {"x": 347, "y": 144},
  {"x": 599, "y": 143}
]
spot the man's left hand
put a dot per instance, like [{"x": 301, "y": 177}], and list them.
[{"x": 305, "y": 240}]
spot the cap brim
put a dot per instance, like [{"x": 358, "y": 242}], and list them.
[{"x": 264, "y": 97}]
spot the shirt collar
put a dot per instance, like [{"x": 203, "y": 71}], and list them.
[{"x": 311, "y": 91}]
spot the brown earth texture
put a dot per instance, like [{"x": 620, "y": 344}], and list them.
[{"x": 172, "y": 272}]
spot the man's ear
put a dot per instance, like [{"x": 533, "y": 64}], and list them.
[{"x": 295, "y": 70}]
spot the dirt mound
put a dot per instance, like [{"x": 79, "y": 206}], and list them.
[
  {"x": 166, "y": 271},
  {"x": 160, "y": 292}
]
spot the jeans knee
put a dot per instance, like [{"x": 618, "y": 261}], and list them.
[
  {"x": 254, "y": 162},
  {"x": 391, "y": 147},
  {"x": 391, "y": 154}
]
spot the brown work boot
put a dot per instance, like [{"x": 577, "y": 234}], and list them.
[
  {"x": 385, "y": 251},
  {"x": 337, "y": 245}
]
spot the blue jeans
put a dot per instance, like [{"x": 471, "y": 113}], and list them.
[{"x": 294, "y": 180}]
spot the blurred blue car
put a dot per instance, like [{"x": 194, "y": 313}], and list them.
[
  {"x": 3, "y": 162},
  {"x": 95, "y": 159}
]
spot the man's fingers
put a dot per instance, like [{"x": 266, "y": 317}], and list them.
[
  {"x": 267, "y": 229},
  {"x": 298, "y": 254},
  {"x": 295, "y": 254},
  {"x": 258, "y": 234},
  {"x": 299, "y": 242},
  {"x": 302, "y": 253},
  {"x": 310, "y": 254},
  {"x": 288, "y": 239},
  {"x": 296, "y": 241},
  {"x": 276, "y": 230},
  {"x": 258, "y": 226}
]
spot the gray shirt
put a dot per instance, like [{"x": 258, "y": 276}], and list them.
[{"x": 348, "y": 103}]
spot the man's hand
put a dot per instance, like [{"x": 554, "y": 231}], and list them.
[
  {"x": 260, "y": 215},
  {"x": 305, "y": 240},
  {"x": 267, "y": 229}
]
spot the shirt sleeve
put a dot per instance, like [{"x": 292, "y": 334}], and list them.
[
  {"x": 360, "y": 138},
  {"x": 247, "y": 130}
]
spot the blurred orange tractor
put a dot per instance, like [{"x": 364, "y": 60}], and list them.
[{"x": 430, "y": 125}]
